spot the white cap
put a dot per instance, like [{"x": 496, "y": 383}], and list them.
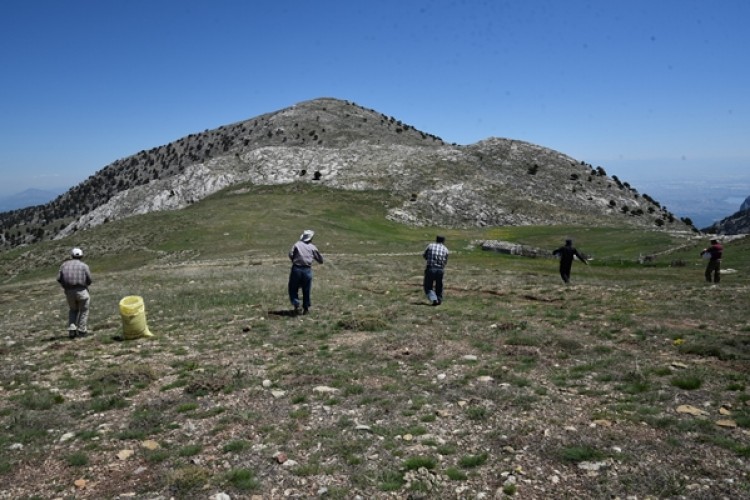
[
  {"x": 307, "y": 235},
  {"x": 76, "y": 253}
]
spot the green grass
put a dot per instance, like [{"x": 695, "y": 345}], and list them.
[{"x": 511, "y": 359}]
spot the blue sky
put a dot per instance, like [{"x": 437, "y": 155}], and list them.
[{"x": 649, "y": 90}]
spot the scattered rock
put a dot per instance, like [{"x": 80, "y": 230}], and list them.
[
  {"x": 726, "y": 423},
  {"x": 150, "y": 444},
  {"x": 324, "y": 389},
  {"x": 125, "y": 454},
  {"x": 691, "y": 410},
  {"x": 592, "y": 466}
]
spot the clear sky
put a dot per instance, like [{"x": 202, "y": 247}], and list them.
[{"x": 647, "y": 89}]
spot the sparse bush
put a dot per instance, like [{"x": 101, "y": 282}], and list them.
[
  {"x": 242, "y": 479},
  {"x": 471, "y": 461},
  {"x": 687, "y": 382},
  {"x": 417, "y": 462}
]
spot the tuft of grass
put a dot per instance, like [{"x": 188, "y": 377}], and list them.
[
  {"x": 186, "y": 481},
  {"x": 687, "y": 382},
  {"x": 106, "y": 403},
  {"x": 582, "y": 453},
  {"x": 477, "y": 413},
  {"x": 390, "y": 480},
  {"x": 77, "y": 459},
  {"x": 417, "y": 462},
  {"x": 235, "y": 446},
  {"x": 190, "y": 450},
  {"x": 39, "y": 399},
  {"x": 455, "y": 474},
  {"x": 242, "y": 479},
  {"x": 471, "y": 461}
]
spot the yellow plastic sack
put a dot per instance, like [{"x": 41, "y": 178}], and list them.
[{"x": 133, "y": 314}]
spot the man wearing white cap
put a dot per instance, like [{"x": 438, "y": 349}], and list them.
[
  {"x": 75, "y": 278},
  {"x": 302, "y": 255}
]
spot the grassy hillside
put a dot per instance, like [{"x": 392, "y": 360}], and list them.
[{"x": 633, "y": 381}]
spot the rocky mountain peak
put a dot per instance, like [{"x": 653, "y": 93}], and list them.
[{"x": 343, "y": 145}]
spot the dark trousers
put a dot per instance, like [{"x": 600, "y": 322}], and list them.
[
  {"x": 713, "y": 269},
  {"x": 565, "y": 271},
  {"x": 433, "y": 283},
  {"x": 300, "y": 277}
]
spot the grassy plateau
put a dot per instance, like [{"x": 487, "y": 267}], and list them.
[{"x": 633, "y": 381}]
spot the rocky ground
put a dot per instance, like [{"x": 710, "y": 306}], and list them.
[{"x": 515, "y": 387}]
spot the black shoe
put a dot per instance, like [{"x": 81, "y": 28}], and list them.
[
  {"x": 72, "y": 334},
  {"x": 82, "y": 334},
  {"x": 296, "y": 310},
  {"x": 305, "y": 311},
  {"x": 435, "y": 302},
  {"x": 440, "y": 301}
]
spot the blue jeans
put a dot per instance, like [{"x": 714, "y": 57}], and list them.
[
  {"x": 433, "y": 283},
  {"x": 300, "y": 277}
]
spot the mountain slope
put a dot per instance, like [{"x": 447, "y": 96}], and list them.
[
  {"x": 737, "y": 223},
  {"x": 340, "y": 144}
]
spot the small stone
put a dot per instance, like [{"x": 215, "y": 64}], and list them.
[
  {"x": 150, "y": 444},
  {"x": 125, "y": 454},
  {"x": 691, "y": 410},
  {"x": 469, "y": 357},
  {"x": 278, "y": 393},
  {"x": 485, "y": 378},
  {"x": 281, "y": 457},
  {"x": 592, "y": 466},
  {"x": 80, "y": 483},
  {"x": 67, "y": 436},
  {"x": 726, "y": 423},
  {"x": 220, "y": 496},
  {"x": 267, "y": 383},
  {"x": 324, "y": 389}
]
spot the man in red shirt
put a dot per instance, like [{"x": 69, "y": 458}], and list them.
[{"x": 714, "y": 252}]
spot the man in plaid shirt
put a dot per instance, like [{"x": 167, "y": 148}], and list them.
[
  {"x": 436, "y": 255},
  {"x": 75, "y": 278}
]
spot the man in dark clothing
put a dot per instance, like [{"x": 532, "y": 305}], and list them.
[
  {"x": 302, "y": 255},
  {"x": 436, "y": 255},
  {"x": 567, "y": 253},
  {"x": 75, "y": 278},
  {"x": 714, "y": 252}
]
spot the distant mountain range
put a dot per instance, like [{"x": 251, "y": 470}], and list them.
[
  {"x": 28, "y": 198},
  {"x": 737, "y": 223},
  {"x": 339, "y": 144}
]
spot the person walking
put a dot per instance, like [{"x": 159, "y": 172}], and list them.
[
  {"x": 566, "y": 254},
  {"x": 75, "y": 278},
  {"x": 714, "y": 253},
  {"x": 436, "y": 255},
  {"x": 302, "y": 255}
]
